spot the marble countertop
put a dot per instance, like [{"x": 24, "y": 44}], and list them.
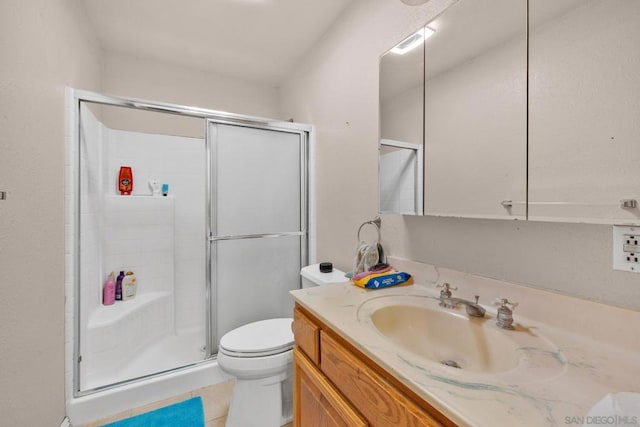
[{"x": 562, "y": 369}]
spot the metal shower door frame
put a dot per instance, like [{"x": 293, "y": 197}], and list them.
[{"x": 78, "y": 97}]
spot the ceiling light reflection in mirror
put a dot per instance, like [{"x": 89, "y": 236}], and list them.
[{"x": 413, "y": 41}]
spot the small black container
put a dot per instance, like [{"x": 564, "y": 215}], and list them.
[{"x": 326, "y": 267}]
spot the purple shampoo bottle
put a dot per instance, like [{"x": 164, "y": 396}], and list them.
[{"x": 119, "y": 286}]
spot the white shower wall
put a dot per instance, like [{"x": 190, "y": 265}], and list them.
[
  {"x": 161, "y": 239},
  {"x": 179, "y": 162},
  {"x": 92, "y": 134}
]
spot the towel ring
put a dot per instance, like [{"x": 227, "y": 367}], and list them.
[{"x": 377, "y": 222}]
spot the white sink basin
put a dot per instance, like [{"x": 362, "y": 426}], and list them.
[
  {"x": 416, "y": 329},
  {"x": 447, "y": 337}
]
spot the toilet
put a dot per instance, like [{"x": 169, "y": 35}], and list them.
[{"x": 260, "y": 356}]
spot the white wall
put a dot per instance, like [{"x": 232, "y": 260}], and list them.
[
  {"x": 156, "y": 81},
  {"x": 336, "y": 88},
  {"x": 584, "y": 112},
  {"x": 44, "y": 46}
]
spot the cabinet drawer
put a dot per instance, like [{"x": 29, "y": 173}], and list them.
[
  {"x": 317, "y": 402},
  {"x": 307, "y": 335},
  {"x": 378, "y": 400}
]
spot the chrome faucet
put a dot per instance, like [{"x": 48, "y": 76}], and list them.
[{"x": 447, "y": 301}]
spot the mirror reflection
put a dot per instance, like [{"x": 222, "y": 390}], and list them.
[
  {"x": 475, "y": 111},
  {"x": 584, "y": 80},
  {"x": 401, "y": 127},
  {"x": 400, "y": 171}
]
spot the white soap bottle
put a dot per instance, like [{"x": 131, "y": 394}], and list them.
[{"x": 129, "y": 286}]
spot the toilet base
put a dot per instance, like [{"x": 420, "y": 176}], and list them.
[{"x": 264, "y": 402}]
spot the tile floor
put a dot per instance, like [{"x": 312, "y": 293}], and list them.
[{"x": 215, "y": 399}]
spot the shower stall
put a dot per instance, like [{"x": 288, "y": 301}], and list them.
[{"x": 215, "y": 232}]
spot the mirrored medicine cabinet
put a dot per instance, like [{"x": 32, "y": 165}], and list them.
[
  {"x": 401, "y": 149},
  {"x": 515, "y": 110}
]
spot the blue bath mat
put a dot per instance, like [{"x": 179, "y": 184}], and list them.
[{"x": 184, "y": 414}]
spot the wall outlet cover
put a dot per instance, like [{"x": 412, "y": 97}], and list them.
[{"x": 624, "y": 238}]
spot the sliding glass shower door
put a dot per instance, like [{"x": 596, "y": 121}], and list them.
[
  {"x": 258, "y": 228},
  {"x": 214, "y": 228}
]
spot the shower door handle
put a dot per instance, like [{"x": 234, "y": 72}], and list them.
[{"x": 213, "y": 238}]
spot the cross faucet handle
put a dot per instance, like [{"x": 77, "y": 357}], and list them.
[
  {"x": 502, "y": 302},
  {"x": 504, "y": 318},
  {"x": 446, "y": 292},
  {"x": 447, "y": 287}
]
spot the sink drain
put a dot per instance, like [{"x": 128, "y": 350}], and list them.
[{"x": 451, "y": 363}]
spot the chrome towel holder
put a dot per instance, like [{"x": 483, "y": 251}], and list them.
[{"x": 377, "y": 222}]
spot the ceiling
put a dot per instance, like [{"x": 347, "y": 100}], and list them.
[{"x": 255, "y": 40}]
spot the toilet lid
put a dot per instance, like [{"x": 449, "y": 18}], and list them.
[{"x": 261, "y": 338}]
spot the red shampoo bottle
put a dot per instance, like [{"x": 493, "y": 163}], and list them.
[{"x": 125, "y": 180}]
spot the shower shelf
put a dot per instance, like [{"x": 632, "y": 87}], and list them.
[
  {"x": 139, "y": 196},
  {"x": 107, "y": 315}
]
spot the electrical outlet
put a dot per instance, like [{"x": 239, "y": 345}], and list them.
[
  {"x": 630, "y": 243},
  {"x": 626, "y": 248}
]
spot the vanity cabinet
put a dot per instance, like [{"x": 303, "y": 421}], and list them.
[{"x": 336, "y": 385}]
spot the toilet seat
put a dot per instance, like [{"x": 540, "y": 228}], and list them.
[{"x": 258, "y": 339}]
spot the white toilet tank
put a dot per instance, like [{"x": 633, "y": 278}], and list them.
[{"x": 312, "y": 276}]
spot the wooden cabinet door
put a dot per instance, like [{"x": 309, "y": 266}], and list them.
[
  {"x": 417, "y": 417},
  {"x": 307, "y": 335},
  {"x": 316, "y": 402},
  {"x": 379, "y": 402}
]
